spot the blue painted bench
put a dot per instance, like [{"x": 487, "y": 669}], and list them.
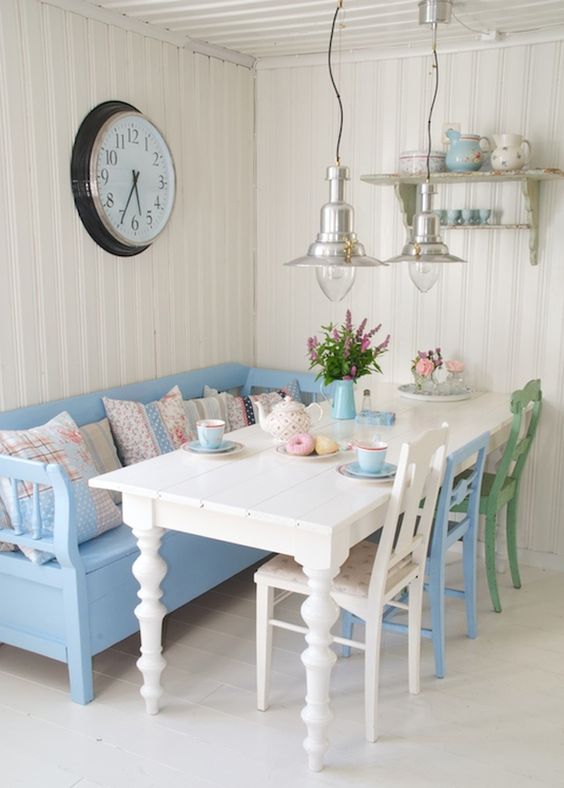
[{"x": 83, "y": 601}]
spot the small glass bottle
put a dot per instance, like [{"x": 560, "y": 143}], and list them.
[{"x": 366, "y": 407}]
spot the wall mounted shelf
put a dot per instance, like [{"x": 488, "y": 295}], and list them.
[{"x": 405, "y": 187}]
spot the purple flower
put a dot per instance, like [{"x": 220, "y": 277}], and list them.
[
  {"x": 348, "y": 320},
  {"x": 360, "y": 329},
  {"x": 383, "y": 345},
  {"x": 353, "y": 371},
  {"x": 335, "y": 334},
  {"x": 365, "y": 344}
]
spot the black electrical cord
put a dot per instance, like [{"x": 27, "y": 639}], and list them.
[
  {"x": 337, "y": 155},
  {"x": 436, "y": 67}
]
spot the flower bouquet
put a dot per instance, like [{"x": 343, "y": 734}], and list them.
[
  {"x": 344, "y": 354},
  {"x": 423, "y": 368}
]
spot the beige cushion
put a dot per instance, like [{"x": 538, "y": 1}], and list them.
[
  {"x": 100, "y": 442},
  {"x": 353, "y": 579}
]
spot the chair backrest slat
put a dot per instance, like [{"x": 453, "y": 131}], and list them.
[
  {"x": 517, "y": 447},
  {"x": 417, "y": 480},
  {"x": 454, "y": 493}
]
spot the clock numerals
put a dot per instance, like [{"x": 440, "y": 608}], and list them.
[
  {"x": 111, "y": 157},
  {"x": 134, "y": 223},
  {"x": 105, "y": 176},
  {"x": 109, "y": 200},
  {"x": 162, "y": 182},
  {"x": 133, "y": 136},
  {"x": 149, "y": 217},
  {"x": 120, "y": 141},
  {"x": 156, "y": 157}
]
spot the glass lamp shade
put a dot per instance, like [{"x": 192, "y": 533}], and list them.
[
  {"x": 336, "y": 252},
  {"x": 425, "y": 248},
  {"x": 423, "y": 274},
  {"x": 335, "y": 280}
]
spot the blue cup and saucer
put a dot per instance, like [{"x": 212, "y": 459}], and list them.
[{"x": 385, "y": 472}]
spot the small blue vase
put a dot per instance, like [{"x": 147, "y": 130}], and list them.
[{"x": 343, "y": 400}]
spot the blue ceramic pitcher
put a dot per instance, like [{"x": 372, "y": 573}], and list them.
[
  {"x": 343, "y": 406},
  {"x": 465, "y": 151}
]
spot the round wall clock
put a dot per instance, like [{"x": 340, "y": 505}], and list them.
[{"x": 123, "y": 179}]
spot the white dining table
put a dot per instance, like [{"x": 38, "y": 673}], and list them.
[{"x": 297, "y": 506}]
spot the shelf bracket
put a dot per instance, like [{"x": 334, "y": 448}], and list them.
[
  {"x": 406, "y": 194},
  {"x": 530, "y": 190}
]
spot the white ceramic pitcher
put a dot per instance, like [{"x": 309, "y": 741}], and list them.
[{"x": 511, "y": 152}]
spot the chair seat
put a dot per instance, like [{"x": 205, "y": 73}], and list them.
[
  {"x": 108, "y": 547},
  {"x": 353, "y": 579}
]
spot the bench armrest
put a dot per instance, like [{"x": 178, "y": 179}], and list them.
[{"x": 63, "y": 543}]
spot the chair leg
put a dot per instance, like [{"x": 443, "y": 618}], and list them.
[
  {"x": 512, "y": 541},
  {"x": 414, "y": 632},
  {"x": 265, "y": 610},
  {"x": 437, "y": 600},
  {"x": 347, "y": 622},
  {"x": 491, "y": 521},
  {"x": 372, "y": 675},
  {"x": 469, "y": 544}
]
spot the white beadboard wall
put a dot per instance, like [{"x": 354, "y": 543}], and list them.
[
  {"x": 74, "y": 318},
  {"x": 504, "y": 317}
]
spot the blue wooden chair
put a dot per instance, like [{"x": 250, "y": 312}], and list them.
[{"x": 446, "y": 532}]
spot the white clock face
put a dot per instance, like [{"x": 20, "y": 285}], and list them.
[{"x": 132, "y": 177}]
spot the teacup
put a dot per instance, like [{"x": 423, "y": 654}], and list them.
[
  {"x": 371, "y": 456},
  {"x": 210, "y": 433}
]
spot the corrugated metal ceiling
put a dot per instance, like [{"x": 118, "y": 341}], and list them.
[{"x": 264, "y": 28}]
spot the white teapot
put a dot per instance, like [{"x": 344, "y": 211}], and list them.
[
  {"x": 287, "y": 418},
  {"x": 512, "y": 152}
]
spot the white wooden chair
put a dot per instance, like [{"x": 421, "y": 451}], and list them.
[{"x": 372, "y": 575}]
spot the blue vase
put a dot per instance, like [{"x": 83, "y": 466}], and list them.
[{"x": 343, "y": 400}]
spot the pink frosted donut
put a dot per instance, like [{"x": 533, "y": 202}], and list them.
[{"x": 302, "y": 443}]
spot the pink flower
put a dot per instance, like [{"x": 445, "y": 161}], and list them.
[
  {"x": 455, "y": 366},
  {"x": 365, "y": 344},
  {"x": 425, "y": 367}
]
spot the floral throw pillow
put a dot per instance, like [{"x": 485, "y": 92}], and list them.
[
  {"x": 145, "y": 431},
  {"x": 59, "y": 441}
]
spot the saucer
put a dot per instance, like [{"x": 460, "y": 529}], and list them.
[
  {"x": 353, "y": 471},
  {"x": 227, "y": 447}
]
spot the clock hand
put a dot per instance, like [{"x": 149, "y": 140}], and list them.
[
  {"x": 136, "y": 178},
  {"x": 130, "y": 196}
]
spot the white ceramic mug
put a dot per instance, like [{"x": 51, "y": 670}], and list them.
[{"x": 210, "y": 433}]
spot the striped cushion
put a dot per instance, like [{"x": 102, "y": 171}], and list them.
[
  {"x": 211, "y": 407},
  {"x": 100, "y": 442},
  {"x": 58, "y": 441},
  {"x": 145, "y": 431}
]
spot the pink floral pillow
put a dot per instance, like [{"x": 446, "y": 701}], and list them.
[{"x": 145, "y": 431}]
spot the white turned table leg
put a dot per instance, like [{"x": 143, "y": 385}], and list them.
[
  {"x": 149, "y": 569},
  {"x": 319, "y": 612}
]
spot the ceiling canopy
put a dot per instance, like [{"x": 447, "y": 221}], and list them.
[{"x": 266, "y": 28}]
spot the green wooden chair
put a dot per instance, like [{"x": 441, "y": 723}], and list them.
[{"x": 502, "y": 488}]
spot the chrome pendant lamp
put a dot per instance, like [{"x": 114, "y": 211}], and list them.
[
  {"x": 425, "y": 251},
  {"x": 337, "y": 252}
]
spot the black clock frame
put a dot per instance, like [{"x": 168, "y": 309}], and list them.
[{"x": 80, "y": 178}]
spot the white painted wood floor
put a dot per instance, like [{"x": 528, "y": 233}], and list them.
[{"x": 497, "y": 719}]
